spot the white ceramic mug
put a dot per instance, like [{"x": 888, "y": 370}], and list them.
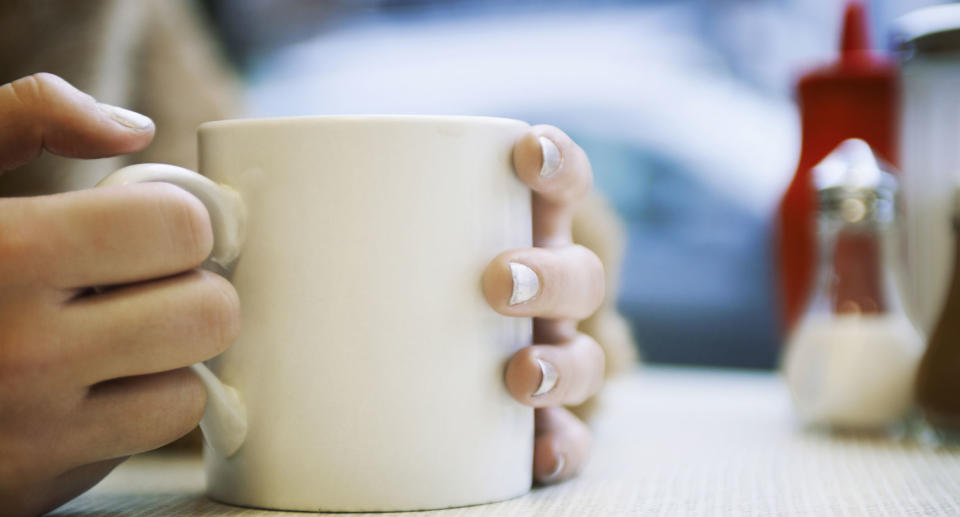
[{"x": 369, "y": 371}]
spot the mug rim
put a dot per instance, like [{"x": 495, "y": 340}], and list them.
[{"x": 355, "y": 118}]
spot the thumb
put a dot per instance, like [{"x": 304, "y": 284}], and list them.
[{"x": 42, "y": 111}]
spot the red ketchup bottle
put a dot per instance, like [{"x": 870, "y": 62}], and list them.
[{"x": 855, "y": 97}]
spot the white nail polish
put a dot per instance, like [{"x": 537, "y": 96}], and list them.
[
  {"x": 551, "y": 157},
  {"x": 557, "y": 469},
  {"x": 125, "y": 117},
  {"x": 548, "y": 377},
  {"x": 526, "y": 284}
]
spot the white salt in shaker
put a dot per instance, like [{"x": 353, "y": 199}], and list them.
[{"x": 851, "y": 360}]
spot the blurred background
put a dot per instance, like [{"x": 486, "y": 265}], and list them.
[{"x": 685, "y": 108}]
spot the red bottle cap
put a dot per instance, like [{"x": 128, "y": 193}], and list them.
[{"x": 854, "y": 97}]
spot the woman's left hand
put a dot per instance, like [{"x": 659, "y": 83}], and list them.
[{"x": 558, "y": 283}]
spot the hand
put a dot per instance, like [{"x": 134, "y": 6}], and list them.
[
  {"x": 558, "y": 283},
  {"x": 89, "y": 379}
]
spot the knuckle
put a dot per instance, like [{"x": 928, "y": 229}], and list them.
[
  {"x": 219, "y": 310},
  {"x": 583, "y": 369},
  {"x": 594, "y": 364},
  {"x": 35, "y": 92},
  {"x": 30, "y": 351},
  {"x": 22, "y": 242},
  {"x": 46, "y": 80},
  {"x": 186, "y": 221},
  {"x": 595, "y": 275},
  {"x": 25, "y": 366},
  {"x": 194, "y": 397},
  {"x": 176, "y": 411},
  {"x": 585, "y": 166},
  {"x": 27, "y": 91},
  {"x": 581, "y": 177},
  {"x": 27, "y": 104},
  {"x": 592, "y": 353}
]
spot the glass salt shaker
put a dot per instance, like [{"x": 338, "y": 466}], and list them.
[{"x": 851, "y": 360}]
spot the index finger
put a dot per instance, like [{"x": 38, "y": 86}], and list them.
[
  {"x": 42, "y": 111},
  {"x": 560, "y": 175}
]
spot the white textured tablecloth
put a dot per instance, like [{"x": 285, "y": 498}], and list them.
[{"x": 669, "y": 442}]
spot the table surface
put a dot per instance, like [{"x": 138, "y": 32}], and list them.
[{"x": 669, "y": 442}]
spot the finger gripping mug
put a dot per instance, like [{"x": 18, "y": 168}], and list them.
[{"x": 368, "y": 375}]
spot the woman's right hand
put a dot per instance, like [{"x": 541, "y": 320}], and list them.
[{"x": 89, "y": 377}]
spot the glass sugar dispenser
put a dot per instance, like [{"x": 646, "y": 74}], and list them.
[{"x": 851, "y": 361}]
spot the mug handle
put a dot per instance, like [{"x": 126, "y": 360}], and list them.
[{"x": 224, "y": 422}]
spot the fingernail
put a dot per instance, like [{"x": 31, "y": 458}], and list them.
[
  {"x": 548, "y": 377},
  {"x": 551, "y": 157},
  {"x": 560, "y": 462},
  {"x": 125, "y": 117},
  {"x": 525, "y": 283}
]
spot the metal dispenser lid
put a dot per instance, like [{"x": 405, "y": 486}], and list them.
[
  {"x": 930, "y": 30},
  {"x": 854, "y": 185}
]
